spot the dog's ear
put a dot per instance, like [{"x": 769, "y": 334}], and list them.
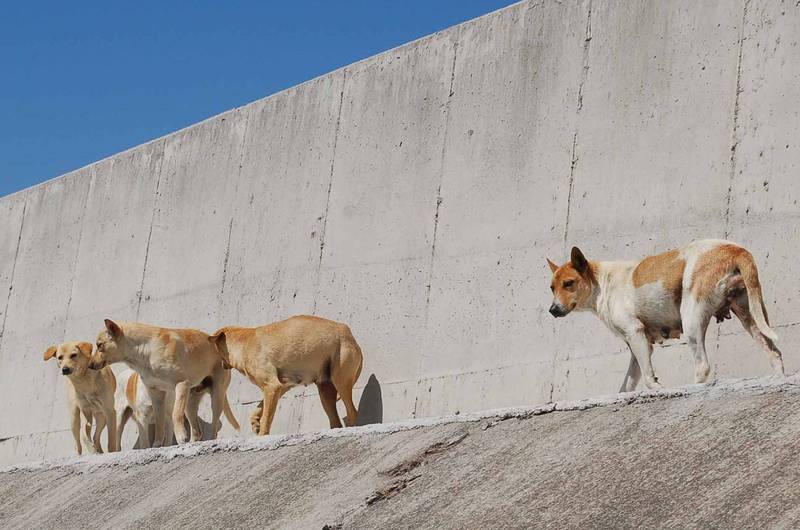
[
  {"x": 86, "y": 349},
  {"x": 578, "y": 260},
  {"x": 553, "y": 266},
  {"x": 113, "y": 328},
  {"x": 50, "y": 353},
  {"x": 217, "y": 338}
]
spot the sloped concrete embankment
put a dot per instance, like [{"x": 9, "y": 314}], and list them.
[
  {"x": 723, "y": 456},
  {"x": 415, "y": 195}
]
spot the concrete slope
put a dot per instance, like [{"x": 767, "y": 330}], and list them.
[{"x": 706, "y": 456}]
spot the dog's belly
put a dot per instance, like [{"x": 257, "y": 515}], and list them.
[{"x": 659, "y": 312}]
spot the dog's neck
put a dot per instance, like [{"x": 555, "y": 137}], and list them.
[
  {"x": 83, "y": 380},
  {"x": 137, "y": 352},
  {"x": 605, "y": 291}
]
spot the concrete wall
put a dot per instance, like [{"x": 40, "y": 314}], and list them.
[{"x": 415, "y": 196}]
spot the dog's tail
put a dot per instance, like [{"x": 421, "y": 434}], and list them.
[
  {"x": 747, "y": 268},
  {"x": 226, "y": 408}
]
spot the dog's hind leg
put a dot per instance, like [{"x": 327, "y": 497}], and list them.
[
  {"x": 76, "y": 428},
  {"x": 695, "y": 317},
  {"x": 327, "y": 395},
  {"x": 122, "y": 418},
  {"x": 741, "y": 310},
  {"x": 345, "y": 374},
  {"x": 632, "y": 376}
]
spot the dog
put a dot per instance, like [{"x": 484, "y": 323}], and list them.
[
  {"x": 134, "y": 402},
  {"x": 299, "y": 350},
  {"x": 167, "y": 360},
  {"x": 665, "y": 296},
  {"x": 89, "y": 392}
]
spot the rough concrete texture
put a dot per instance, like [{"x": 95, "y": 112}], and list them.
[
  {"x": 695, "y": 457},
  {"x": 415, "y": 196}
]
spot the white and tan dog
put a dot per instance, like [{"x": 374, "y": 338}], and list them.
[
  {"x": 89, "y": 392},
  {"x": 134, "y": 402},
  {"x": 167, "y": 360},
  {"x": 665, "y": 296},
  {"x": 297, "y": 351}
]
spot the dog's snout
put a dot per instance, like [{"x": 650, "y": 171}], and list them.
[
  {"x": 65, "y": 371},
  {"x": 556, "y": 311}
]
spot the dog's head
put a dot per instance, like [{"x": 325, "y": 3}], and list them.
[
  {"x": 220, "y": 343},
  {"x": 573, "y": 284},
  {"x": 73, "y": 357},
  {"x": 109, "y": 348}
]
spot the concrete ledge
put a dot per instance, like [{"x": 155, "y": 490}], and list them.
[{"x": 721, "y": 454}]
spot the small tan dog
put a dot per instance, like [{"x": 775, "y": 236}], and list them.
[
  {"x": 298, "y": 351},
  {"x": 168, "y": 360},
  {"x": 89, "y": 392},
  {"x": 665, "y": 296}
]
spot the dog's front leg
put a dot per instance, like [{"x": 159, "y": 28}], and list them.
[
  {"x": 157, "y": 398},
  {"x": 76, "y": 428},
  {"x": 99, "y": 425},
  {"x": 642, "y": 349},
  {"x": 182, "y": 390},
  {"x": 111, "y": 429}
]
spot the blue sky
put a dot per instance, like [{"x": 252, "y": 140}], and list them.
[{"x": 80, "y": 81}]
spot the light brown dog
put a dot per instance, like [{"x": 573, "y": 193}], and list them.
[
  {"x": 89, "y": 392},
  {"x": 298, "y": 351},
  {"x": 168, "y": 360}
]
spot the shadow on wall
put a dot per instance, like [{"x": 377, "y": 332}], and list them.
[{"x": 370, "y": 406}]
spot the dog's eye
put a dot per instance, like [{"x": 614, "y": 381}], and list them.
[
  {"x": 73, "y": 355},
  {"x": 552, "y": 289},
  {"x": 569, "y": 283},
  {"x": 60, "y": 357}
]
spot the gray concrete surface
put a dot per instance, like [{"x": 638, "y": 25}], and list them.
[
  {"x": 720, "y": 456},
  {"x": 415, "y": 196}
]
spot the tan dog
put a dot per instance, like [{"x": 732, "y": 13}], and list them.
[
  {"x": 89, "y": 392},
  {"x": 298, "y": 351},
  {"x": 167, "y": 360},
  {"x": 667, "y": 295}
]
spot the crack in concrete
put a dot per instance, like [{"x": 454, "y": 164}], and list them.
[
  {"x": 587, "y": 39},
  {"x": 78, "y": 249},
  {"x": 735, "y": 128},
  {"x": 330, "y": 187},
  {"x": 435, "y": 234},
  {"x": 402, "y": 471},
  {"x": 227, "y": 258},
  {"x": 140, "y": 292},
  {"x": 13, "y": 269}
]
